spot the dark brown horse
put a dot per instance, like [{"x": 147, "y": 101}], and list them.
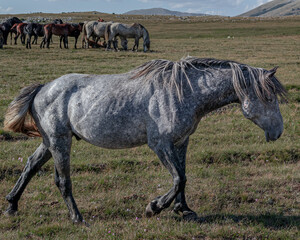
[
  {"x": 63, "y": 31},
  {"x": 6, "y": 26}
]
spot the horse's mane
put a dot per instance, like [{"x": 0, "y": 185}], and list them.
[{"x": 174, "y": 73}]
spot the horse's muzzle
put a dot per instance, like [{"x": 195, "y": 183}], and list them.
[{"x": 273, "y": 135}]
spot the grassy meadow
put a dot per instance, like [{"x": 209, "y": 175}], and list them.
[{"x": 240, "y": 186}]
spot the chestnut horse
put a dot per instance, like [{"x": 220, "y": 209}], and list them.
[
  {"x": 18, "y": 30},
  {"x": 63, "y": 31}
]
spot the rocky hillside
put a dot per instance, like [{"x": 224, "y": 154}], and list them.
[
  {"x": 275, "y": 8},
  {"x": 161, "y": 11}
]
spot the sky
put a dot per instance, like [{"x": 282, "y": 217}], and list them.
[{"x": 214, "y": 7}]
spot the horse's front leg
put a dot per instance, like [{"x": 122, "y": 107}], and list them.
[
  {"x": 28, "y": 41},
  {"x": 136, "y": 45},
  {"x": 180, "y": 201},
  {"x": 66, "y": 44},
  {"x": 34, "y": 163},
  {"x": 167, "y": 153}
]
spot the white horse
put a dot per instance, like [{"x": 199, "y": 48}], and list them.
[
  {"x": 159, "y": 104},
  {"x": 93, "y": 29},
  {"x": 125, "y": 31}
]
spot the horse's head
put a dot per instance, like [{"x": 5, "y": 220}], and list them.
[
  {"x": 124, "y": 43},
  {"x": 260, "y": 105},
  {"x": 146, "y": 45},
  {"x": 146, "y": 38},
  {"x": 80, "y": 26}
]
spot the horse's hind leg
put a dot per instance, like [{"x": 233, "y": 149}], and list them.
[
  {"x": 76, "y": 38},
  {"x": 34, "y": 163},
  {"x": 180, "y": 202},
  {"x": 60, "y": 149},
  {"x": 167, "y": 153}
]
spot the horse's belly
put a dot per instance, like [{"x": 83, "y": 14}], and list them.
[{"x": 112, "y": 134}]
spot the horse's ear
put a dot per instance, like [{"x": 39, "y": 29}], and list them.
[{"x": 272, "y": 72}]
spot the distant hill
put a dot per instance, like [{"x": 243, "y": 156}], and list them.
[
  {"x": 161, "y": 11},
  {"x": 275, "y": 8}
]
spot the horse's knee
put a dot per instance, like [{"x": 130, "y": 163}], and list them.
[
  {"x": 179, "y": 183},
  {"x": 65, "y": 186}
]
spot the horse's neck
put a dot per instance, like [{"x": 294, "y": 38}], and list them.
[
  {"x": 145, "y": 34},
  {"x": 213, "y": 92}
]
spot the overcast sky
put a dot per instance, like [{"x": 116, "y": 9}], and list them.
[{"x": 216, "y": 7}]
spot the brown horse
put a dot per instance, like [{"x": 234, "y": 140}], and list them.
[
  {"x": 18, "y": 30},
  {"x": 63, "y": 31},
  {"x": 96, "y": 44}
]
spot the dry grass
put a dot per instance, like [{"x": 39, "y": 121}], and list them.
[{"x": 242, "y": 187}]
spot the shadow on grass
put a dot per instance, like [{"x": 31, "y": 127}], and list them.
[{"x": 272, "y": 221}]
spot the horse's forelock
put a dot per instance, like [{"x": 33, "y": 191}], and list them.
[{"x": 258, "y": 80}]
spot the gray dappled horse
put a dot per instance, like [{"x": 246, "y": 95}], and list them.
[
  {"x": 125, "y": 31},
  {"x": 159, "y": 103},
  {"x": 93, "y": 29}
]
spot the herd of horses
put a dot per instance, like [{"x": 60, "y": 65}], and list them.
[{"x": 109, "y": 32}]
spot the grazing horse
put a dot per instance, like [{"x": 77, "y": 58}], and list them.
[
  {"x": 159, "y": 103},
  {"x": 33, "y": 29},
  {"x": 93, "y": 29},
  {"x": 134, "y": 30},
  {"x": 63, "y": 31},
  {"x": 19, "y": 30},
  {"x": 6, "y": 26}
]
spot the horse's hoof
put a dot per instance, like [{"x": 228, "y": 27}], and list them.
[
  {"x": 83, "y": 222},
  {"x": 11, "y": 212},
  {"x": 152, "y": 209},
  {"x": 149, "y": 211},
  {"x": 190, "y": 216}
]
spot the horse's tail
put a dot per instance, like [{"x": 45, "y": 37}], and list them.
[
  {"x": 107, "y": 32},
  {"x": 18, "y": 117},
  {"x": 84, "y": 34}
]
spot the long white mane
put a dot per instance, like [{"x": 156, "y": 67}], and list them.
[{"x": 243, "y": 76}]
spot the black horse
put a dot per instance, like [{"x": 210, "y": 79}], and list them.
[
  {"x": 33, "y": 29},
  {"x": 6, "y": 26},
  {"x": 1, "y": 39}
]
